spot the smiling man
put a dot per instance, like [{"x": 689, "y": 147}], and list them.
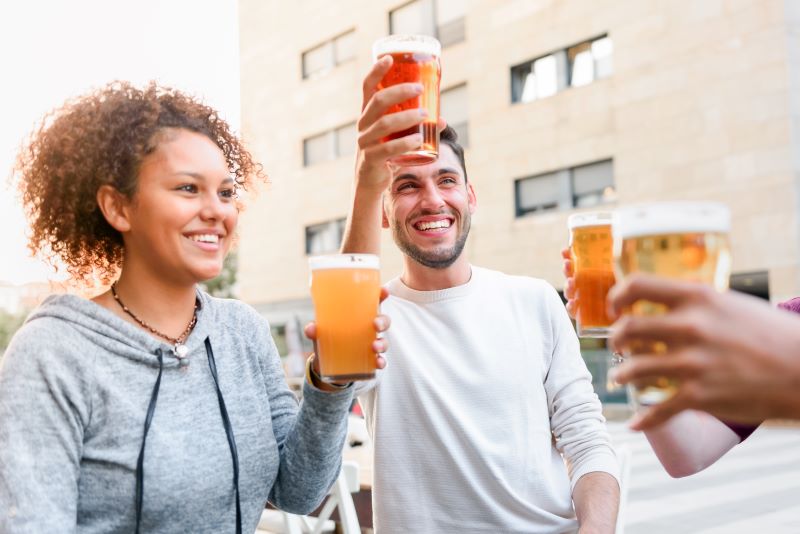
[{"x": 485, "y": 419}]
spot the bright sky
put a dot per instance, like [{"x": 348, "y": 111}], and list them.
[{"x": 53, "y": 49}]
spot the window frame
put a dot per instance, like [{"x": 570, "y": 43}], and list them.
[{"x": 566, "y": 185}]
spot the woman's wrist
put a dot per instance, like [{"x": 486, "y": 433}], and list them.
[{"x": 313, "y": 378}]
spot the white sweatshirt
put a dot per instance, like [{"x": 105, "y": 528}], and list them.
[{"x": 484, "y": 391}]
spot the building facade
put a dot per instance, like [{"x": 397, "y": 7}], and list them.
[{"x": 564, "y": 105}]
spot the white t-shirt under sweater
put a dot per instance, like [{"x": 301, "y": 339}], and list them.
[{"x": 484, "y": 391}]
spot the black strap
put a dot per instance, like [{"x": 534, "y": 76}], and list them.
[
  {"x": 147, "y": 420},
  {"x": 229, "y": 431}
]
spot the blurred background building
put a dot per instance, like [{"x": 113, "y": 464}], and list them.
[{"x": 564, "y": 105}]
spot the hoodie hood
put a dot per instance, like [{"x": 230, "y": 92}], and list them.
[{"x": 111, "y": 333}]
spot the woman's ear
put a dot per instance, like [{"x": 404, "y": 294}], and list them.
[{"x": 115, "y": 207}]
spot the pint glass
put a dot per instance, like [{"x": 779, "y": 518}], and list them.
[
  {"x": 592, "y": 250},
  {"x": 346, "y": 290},
  {"x": 684, "y": 240},
  {"x": 415, "y": 60}
]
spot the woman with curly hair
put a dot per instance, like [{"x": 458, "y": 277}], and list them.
[{"x": 153, "y": 406}]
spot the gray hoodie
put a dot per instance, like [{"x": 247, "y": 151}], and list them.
[{"x": 75, "y": 386}]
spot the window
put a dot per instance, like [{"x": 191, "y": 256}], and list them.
[
  {"x": 443, "y": 19},
  {"x": 327, "y": 55},
  {"x": 450, "y": 27},
  {"x": 346, "y": 140},
  {"x": 330, "y": 145},
  {"x": 572, "y": 67},
  {"x": 539, "y": 78},
  {"x": 754, "y": 283},
  {"x": 593, "y": 184},
  {"x": 589, "y": 61},
  {"x": 581, "y": 186},
  {"x": 325, "y": 237},
  {"x": 454, "y": 110}
]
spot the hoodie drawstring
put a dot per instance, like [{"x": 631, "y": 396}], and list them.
[
  {"x": 147, "y": 420},
  {"x": 212, "y": 364}
]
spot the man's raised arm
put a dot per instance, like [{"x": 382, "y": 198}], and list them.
[{"x": 363, "y": 230}]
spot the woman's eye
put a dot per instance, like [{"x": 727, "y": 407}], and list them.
[
  {"x": 188, "y": 188},
  {"x": 228, "y": 193}
]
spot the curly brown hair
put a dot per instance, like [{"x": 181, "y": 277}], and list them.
[{"x": 100, "y": 139}]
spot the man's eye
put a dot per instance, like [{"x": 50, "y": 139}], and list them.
[
  {"x": 407, "y": 185},
  {"x": 188, "y": 188},
  {"x": 448, "y": 180}
]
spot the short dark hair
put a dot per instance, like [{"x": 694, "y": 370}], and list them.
[{"x": 449, "y": 137}]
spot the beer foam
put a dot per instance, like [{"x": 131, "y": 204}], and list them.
[
  {"x": 660, "y": 218},
  {"x": 593, "y": 218},
  {"x": 344, "y": 261},
  {"x": 415, "y": 44}
]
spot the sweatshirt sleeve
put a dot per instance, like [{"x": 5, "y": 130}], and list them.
[
  {"x": 310, "y": 440},
  {"x": 576, "y": 416},
  {"x": 45, "y": 404}
]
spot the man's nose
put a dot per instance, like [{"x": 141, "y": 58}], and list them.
[{"x": 431, "y": 197}]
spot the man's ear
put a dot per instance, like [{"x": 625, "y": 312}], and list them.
[
  {"x": 115, "y": 207},
  {"x": 384, "y": 218},
  {"x": 472, "y": 198}
]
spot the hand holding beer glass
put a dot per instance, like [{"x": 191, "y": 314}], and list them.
[
  {"x": 592, "y": 255},
  {"x": 681, "y": 240},
  {"x": 346, "y": 290},
  {"x": 415, "y": 59}
]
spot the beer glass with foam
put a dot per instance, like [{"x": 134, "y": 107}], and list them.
[
  {"x": 592, "y": 250},
  {"x": 346, "y": 290},
  {"x": 415, "y": 60},
  {"x": 683, "y": 240}
]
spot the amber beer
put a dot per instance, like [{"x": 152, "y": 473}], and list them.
[
  {"x": 592, "y": 251},
  {"x": 415, "y": 60},
  {"x": 683, "y": 240},
  {"x": 346, "y": 291}
]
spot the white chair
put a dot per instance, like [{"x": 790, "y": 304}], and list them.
[
  {"x": 339, "y": 498},
  {"x": 624, "y": 459}
]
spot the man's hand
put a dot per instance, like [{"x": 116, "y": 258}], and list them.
[
  {"x": 732, "y": 355},
  {"x": 380, "y": 345},
  {"x": 372, "y": 170},
  {"x": 569, "y": 284}
]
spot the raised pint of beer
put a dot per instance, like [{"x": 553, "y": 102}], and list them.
[
  {"x": 683, "y": 240},
  {"x": 592, "y": 250},
  {"x": 346, "y": 290},
  {"x": 415, "y": 60}
]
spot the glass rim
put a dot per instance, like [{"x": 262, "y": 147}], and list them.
[
  {"x": 344, "y": 261},
  {"x": 590, "y": 218},
  {"x": 415, "y": 43},
  {"x": 674, "y": 217}
]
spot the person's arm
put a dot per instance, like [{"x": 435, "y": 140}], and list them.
[
  {"x": 577, "y": 423},
  {"x": 363, "y": 229},
  {"x": 45, "y": 405},
  {"x": 732, "y": 355},
  {"x": 596, "y": 500},
  {"x": 690, "y": 441}
]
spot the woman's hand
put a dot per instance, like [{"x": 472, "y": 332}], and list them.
[{"x": 379, "y": 345}]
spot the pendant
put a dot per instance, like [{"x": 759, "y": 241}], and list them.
[{"x": 181, "y": 351}]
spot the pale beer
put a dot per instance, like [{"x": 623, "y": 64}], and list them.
[
  {"x": 346, "y": 290},
  {"x": 682, "y": 240},
  {"x": 415, "y": 60},
  {"x": 592, "y": 250}
]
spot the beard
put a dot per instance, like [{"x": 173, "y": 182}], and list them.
[{"x": 438, "y": 257}]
